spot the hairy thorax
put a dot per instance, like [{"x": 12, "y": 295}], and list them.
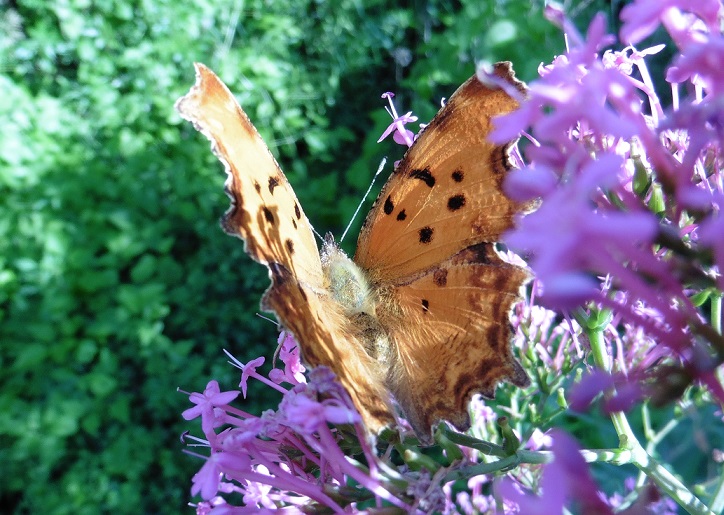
[{"x": 359, "y": 301}]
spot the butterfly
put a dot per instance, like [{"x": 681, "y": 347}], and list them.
[{"x": 420, "y": 314}]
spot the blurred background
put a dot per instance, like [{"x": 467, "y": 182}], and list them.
[{"x": 116, "y": 283}]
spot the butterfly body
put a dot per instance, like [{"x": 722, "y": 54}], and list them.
[
  {"x": 346, "y": 282},
  {"x": 421, "y": 311}
]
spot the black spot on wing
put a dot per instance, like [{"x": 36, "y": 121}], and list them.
[
  {"x": 426, "y": 234},
  {"x": 401, "y": 216},
  {"x": 257, "y": 187},
  {"x": 389, "y": 206},
  {"x": 456, "y": 202},
  {"x": 297, "y": 211},
  {"x": 424, "y": 175},
  {"x": 268, "y": 215},
  {"x": 458, "y": 175},
  {"x": 273, "y": 183},
  {"x": 289, "y": 244},
  {"x": 425, "y": 305}
]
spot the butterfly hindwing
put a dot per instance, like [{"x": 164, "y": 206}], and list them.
[{"x": 452, "y": 337}]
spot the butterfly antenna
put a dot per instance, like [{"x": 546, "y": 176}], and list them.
[
  {"x": 359, "y": 206},
  {"x": 268, "y": 319},
  {"x": 319, "y": 236}
]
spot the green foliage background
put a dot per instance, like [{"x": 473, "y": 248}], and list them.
[{"x": 116, "y": 284}]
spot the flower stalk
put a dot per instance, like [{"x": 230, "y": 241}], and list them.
[{"x": 630, "y": 450}]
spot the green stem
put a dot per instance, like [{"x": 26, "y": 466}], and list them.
[
  {"x": 657, "y": 437},
  {"x": 483, "y": 468},
  {"x": 629, "y": 443},
  {"x": 717, "y": 497},
  {"x": 487, "y": 448},
  {"x": 716, "y": 320}
]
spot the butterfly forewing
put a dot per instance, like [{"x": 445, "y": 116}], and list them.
[
  {"x": 446, "y": 194},
  {"x": 265, "y": 211}
]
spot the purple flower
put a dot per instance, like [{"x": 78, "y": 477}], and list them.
[
  {"x": 207, "y": 481},
  {"x": 215, "y": 505},
  {"x": 205, "y": 404},
  {"x": 482, "y": 412},
  {"x": 530, "y": 183},
  {"x": 249, "y": 370},
  {"x": 293, "y": 372},
  {"x": 597, "y": 382},
  {"x": 483, "y": 503},
  {"x": 539, "y": 440},
  {"x": 613, "y": 182},
  {"x": 642, "y": 17},
  {"x": 700, "y": 63},
  {"x": 400, "y": 134},
  {"x": 290, "y": 457},
  {"x": 584, "y": 238},
  {"x": 624, "y": 62},
  {"x": 258, "y": 494},
  {"x": 566, "y": 478},
  {"x": 307, "y": 415}
]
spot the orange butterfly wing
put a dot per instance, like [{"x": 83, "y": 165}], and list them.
[
  {"x": 446, "y": 194},
  {"x": 427, "y": 246},
  {"x": 266, "y": 214},
  {"x": 451, "y": 335}
]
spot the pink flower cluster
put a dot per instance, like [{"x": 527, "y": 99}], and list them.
[
  {"x": 290, "y": 457},
  {"x": 630, "y": 193}
]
